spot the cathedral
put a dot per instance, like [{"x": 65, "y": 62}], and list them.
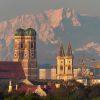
[
  {"x": 65, "y": 63},
  {"x": 25, "y": 51}
]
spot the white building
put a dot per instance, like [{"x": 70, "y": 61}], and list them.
[
  {"x": 47, "y": 74},
  {"x": 76, "y": 72}
]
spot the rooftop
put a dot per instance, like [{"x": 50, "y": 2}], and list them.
[
  {"x": 27, "y": 32},
  {"x": 11, "y": 70}
]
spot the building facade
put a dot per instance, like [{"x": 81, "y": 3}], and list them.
[
  {"x": 65, "y": 63},
  {"x": 76, "y": 72},
  {"x": 25, "y": 51},
  {"x": 47, "y": 74}
]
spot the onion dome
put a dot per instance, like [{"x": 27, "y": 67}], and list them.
[
  {"x": 30, "y": 32},
  {"x": 20, "y": 32}
]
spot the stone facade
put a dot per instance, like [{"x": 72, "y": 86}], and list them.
[
  {"x": 65, "y": 63},
  {"x": 25, "y": 51},
  {"x": 47, "y": 74}
]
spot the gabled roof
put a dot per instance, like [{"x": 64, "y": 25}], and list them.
[{"x": 11, "y": 70}]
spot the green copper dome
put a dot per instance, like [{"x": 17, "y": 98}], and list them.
[
  {"x": 27, "y": 32},
  {"x": 30, "y": 32},
  {"x": 20, "y": 32}
]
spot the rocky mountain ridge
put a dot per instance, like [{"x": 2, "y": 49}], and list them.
[{"x": 52, "y": 26}]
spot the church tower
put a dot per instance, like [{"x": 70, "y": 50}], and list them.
[
  {"x": 65, "y": 63},
  {"x": 60, "y": 63},
  {"x": 25, "y": 51},
  {"x": 69, "y": 62}
]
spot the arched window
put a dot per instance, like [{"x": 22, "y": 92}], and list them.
[
  {"x": 32, "y": 55},
  {"x": 61, "y": 61},
  {"x": 22, "y": 46},
  {"x": 61, "y": 67},
  {"x": 68, "y": 61},
  {"x": 15, "y": 55},
  {"x": 25, "y": 55},
  {"x": 31, "y": 44},
  {"x": 69, "y": 67}
]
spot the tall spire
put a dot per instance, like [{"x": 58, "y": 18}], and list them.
[
  {"x": 69, "y": 50},
  {"x": 61, "y": 51}
]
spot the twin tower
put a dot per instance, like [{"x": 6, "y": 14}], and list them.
[
  {"x": 25, "y": 51},
  {"x": 65, "y": 63}
]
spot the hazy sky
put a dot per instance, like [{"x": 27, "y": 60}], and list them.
[{"x": 13, "y": 8}]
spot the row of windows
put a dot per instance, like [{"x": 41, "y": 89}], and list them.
[
  {"x": 25, "y": 55},
  {"x": 31, "y": 46},
  {"x": 67, "y": 61},
  {"x": 22, "y": 45},
  {"x": 61, "y": 67}
]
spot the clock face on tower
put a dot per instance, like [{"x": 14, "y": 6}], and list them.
[
  {"x": 15, "y": 55},
  {"x": 25, "y": 55}
]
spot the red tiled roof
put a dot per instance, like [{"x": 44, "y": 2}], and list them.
[
  {"x": 11, "y": 70},
  {"x": 26, "y": 88}
]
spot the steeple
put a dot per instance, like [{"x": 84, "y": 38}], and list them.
[
  {"x": 65, "y": 63},
  {"x": 61, "y": 51},
  {"x": 69, "y": 50}
]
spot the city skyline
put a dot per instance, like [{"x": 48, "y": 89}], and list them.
[
  {"x": 81, "y": 28},
  {"x": 49, "y": 49}
]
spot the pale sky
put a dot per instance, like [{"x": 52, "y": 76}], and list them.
[{"x": 13, "y": 8}]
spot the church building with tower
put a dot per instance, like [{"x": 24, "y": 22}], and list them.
[
  {"x": 65, "y": 63},
  {"x": 63, "y": 69},
  {"x": 25, "y": 51}
]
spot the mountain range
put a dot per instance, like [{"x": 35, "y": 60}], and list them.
[{"x": 53, "y": 27}]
